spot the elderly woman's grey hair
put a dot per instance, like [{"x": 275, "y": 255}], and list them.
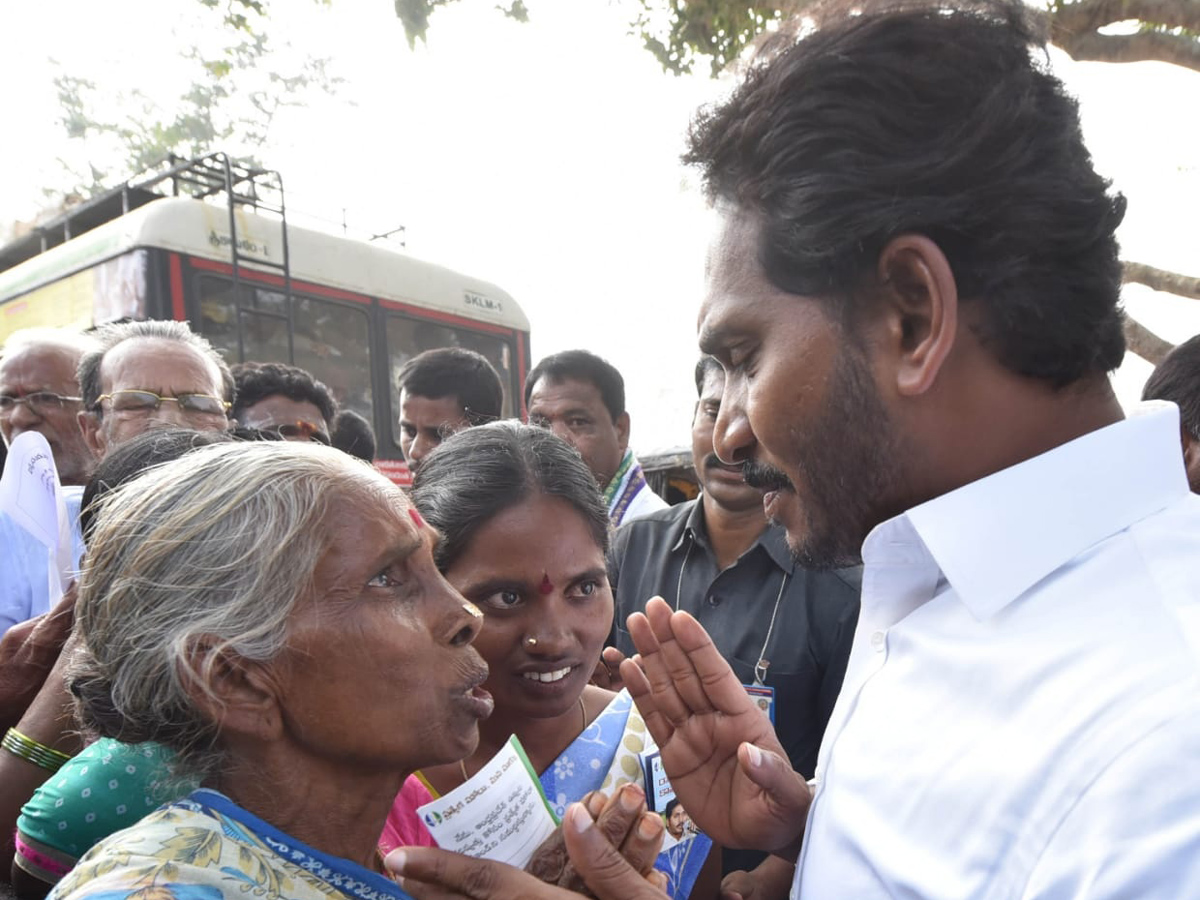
[{"x": 202, "y": 557}]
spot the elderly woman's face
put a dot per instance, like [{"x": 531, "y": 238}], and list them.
[
  {"x": 540, "y": 578},
  {"x": 378, "y": 665}
]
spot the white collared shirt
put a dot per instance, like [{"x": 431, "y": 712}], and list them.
[{"x": 1021, "y": 713}]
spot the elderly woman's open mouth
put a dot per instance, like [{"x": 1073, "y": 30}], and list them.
[{"x": 478, "y": 701}]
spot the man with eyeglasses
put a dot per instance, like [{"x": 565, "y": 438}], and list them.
[
  {"x": 152, "y": 374},
  {"x": 39, "y": 392}
]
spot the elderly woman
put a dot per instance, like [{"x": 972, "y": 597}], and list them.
[
  {"x": 271, "y": 613},
  {"x": 524, "y": 533}
]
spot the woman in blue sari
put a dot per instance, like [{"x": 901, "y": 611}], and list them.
[
  {"x": 272, "y": 614},
  {"x": 524, "y": 534}
]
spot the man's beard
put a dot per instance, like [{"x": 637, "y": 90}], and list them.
[{"x": 847, "y": 457}]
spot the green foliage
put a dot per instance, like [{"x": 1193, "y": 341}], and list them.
[
  {"x": 231, "y": 103},
  {"x": 713, "y": 30},
  {"x": 235, "y": 16},
  {"x": 414, "y": 15}
]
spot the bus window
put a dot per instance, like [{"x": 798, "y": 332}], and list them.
[
  {"x": 262, "y": 316},
  {"x": 407, "y": 337},
  {"x": 331, "y": 341}
]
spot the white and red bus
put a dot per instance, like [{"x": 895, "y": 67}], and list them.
[{"x": 350, "y": 312}]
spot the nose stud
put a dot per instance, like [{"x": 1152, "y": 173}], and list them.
[{"x": 532, "y": 642}]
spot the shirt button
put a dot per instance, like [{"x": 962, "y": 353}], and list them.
[
  {"x": 713, "y": 600},
  {"x": 878, "y": 641}
]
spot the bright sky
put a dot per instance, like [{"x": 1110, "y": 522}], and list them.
[{"x": 544, "y": 157}]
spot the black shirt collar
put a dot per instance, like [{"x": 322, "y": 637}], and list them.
[{"x": 773, "y": 539}]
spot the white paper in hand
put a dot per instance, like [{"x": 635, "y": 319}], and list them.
[
  {"x": 32, "y": 497},
  {"x": 500, "y": 813}
]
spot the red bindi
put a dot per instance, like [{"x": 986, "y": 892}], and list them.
[
  {"x": 545, "y": 587},
  {"x": 416, "y": 517}
]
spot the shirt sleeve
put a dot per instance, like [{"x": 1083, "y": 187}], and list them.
[
  {"x": 24, "y": 577},
  {"x": 1136, "y": 831}
]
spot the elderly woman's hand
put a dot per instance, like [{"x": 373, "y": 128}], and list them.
[
  {"x": 28, "y": 653},
  {"x": 604, "y": 870},
  {"x": 624, "y": 822}
]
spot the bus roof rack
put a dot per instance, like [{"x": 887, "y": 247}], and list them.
[{"x": 213, "y": 176}]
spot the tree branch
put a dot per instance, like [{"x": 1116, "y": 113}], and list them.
[
  {"x": 1145, "y": 343},
  {"x": 1144, "y": 46},
  {"x": 1162, "y": 280}
]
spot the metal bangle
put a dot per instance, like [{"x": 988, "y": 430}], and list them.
[{"x": 31, "y": 751}]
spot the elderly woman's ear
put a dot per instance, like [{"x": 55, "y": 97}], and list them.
[{"x": 239, "y": 696}]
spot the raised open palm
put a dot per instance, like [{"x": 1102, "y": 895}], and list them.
[{"x": 724, "y": 761}]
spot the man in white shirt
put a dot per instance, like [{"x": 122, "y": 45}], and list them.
[
  {"x": 914, "y": 295},
  {"x": 39, "y": 391}
]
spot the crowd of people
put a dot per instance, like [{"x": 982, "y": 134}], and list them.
[{"x": 931, "y": 628}]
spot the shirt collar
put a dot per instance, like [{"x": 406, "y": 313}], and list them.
[
  {"x": 773, "y": 539},
  {"x": 995, "y": 538}
]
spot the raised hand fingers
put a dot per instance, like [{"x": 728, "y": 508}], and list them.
[
  {"x": 683, "y": 667},
  {"x": 605, "y": 871},
  {"x": 622, "y": 820},
  {"x": 644, "y": 842}
]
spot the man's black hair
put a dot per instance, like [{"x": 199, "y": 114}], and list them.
[
  {"x": 354, "y": 435},
  {"x": 1177, "y": 379},
  {"x": 258, "y": 381},
  {"x": 580, "y": 365},
  {"x": 939, "y": 121},
  {"x": 456, "y": 372}
]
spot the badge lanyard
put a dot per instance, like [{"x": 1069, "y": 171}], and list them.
[{"x": 760, "y": 668}]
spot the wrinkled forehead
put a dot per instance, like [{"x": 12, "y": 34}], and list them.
[
  {"x": 151, "y": 363},
  {"x": 365, "y": 485},
  {"x": 566, "y": 391},
  {"x": 39, "y": 362}
]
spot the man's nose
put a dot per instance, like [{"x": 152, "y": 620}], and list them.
[
  {"x": 733, "y": 438},
  {"x": 420, "y": 448},
  {"x": 23, "y": 418},
  {"x": 170, "y": 413}
]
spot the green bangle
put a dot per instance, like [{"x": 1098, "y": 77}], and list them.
[{"x": 31, "y": 751}]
